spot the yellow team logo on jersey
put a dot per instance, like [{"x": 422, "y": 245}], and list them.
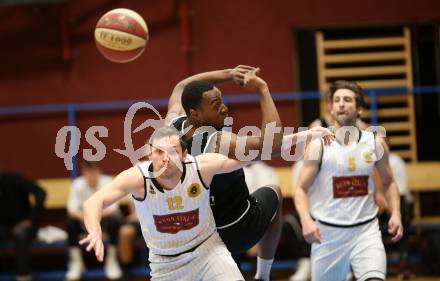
[
  {"x": 194, "y": 190},
  {"x": 368, "y": 157},
  {"x": 351, "y": 163}
]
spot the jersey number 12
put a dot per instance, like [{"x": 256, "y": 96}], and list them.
[{"x": 175, "y": 203}]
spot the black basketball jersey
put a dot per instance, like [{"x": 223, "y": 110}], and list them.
[{"x": 228, "y": 192}]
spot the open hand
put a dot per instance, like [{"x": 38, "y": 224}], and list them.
[
  {"x": 238, "y": 73},
  {"x": 321, "y": 132},
  {"x": 94, "y": 242}
]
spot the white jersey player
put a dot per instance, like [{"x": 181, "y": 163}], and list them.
[
  {"x": 171, "y": 195},
  {"x": 335, "y": 195}
]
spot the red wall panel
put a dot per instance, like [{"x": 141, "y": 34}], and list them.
[{"x": 224, "y": 34}]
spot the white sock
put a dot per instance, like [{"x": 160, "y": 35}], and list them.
[{"x": 263, "y": 269}]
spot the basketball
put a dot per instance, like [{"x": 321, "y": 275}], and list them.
[{"x": 121, "y": 35}]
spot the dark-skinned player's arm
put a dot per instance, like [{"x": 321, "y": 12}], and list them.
[
  {"x": 217, "y": 76},
  {"x": 271, "y": 137}
]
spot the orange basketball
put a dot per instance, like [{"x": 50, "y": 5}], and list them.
[{"x": 121, "y": 35}]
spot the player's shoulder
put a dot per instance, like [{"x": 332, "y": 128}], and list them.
[
  {"x": 212, "y": 141},
  {"x": 368, "y": 134},
  {"x": 79, "y": 183},
  {"x": 104, "y": 179},
  {"x": 380, "y": 141},
  {"x": 177, "y": 121},
  {"x": 143, "y": 167},
  {"x": 314, "y": 151},
  {"x": 190, "y": 159}
]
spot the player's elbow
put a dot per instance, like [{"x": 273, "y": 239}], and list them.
[
  {"x": 388, "y": 184},
  {"x": 300, "y": 192},
  {"x": 179, "y": 86}
]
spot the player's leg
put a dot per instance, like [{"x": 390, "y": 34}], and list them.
[
  {"x": 128, "y": 232},
  {"x": 110, "y": 225},
  {"x": 406, "y": 208},
  {"x": 75, "y": 265},
  {"x": 330, "y": 258},
  {"x": 249, "y": 229},
  {"x": 269, "y": 242},
  {"x": 209, "y": 261},
  {"x": 270, "y": 200},
  {"x": 23, "y": 236},
  {"x": 216, "y": 261},
  {"x": 297, "y": 247},
  {"x": 262, "y": 220},
  {"x": 368, "y": 259},
  {"x": 173, "y": 268}
]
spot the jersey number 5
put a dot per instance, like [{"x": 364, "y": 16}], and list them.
[
  {"x": 351, "y": 164},
  {"x": 175, "y": 203}
]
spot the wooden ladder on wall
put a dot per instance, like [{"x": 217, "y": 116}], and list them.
[{"x": 374, "y": 63}]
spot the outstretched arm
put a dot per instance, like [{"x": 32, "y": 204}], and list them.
[
  {"x": 236, "y": 147},
  {"x": 211, "y": 164},
  {"x": 215, "y": 77},
  {"x": 316, "y": 132},
  {"x": 128, "y": 181},
  {"x": 391, "y": 191}
]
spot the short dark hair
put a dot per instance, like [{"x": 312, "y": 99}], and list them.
[
  {"x": 167, "y": 131},
  {"x": 193, "y": 93},
  {"x": 349, "y": 85},
  {"x": 85, "y": 164}
]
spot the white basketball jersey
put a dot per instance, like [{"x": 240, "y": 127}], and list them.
[
  {"x": 177, "y": 220},
  {"x": 343, "y": 191}
]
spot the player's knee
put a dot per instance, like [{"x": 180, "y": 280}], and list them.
[{"x": 277, "y": 190}]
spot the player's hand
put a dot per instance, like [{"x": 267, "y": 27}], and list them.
[
  {"x": 395, "y": 228},
  {"x": 317, "y": 132},
  {"x": 324, "y": 133},
  {"x": 94, "y": 241},
  {"x": 238, "y": 73},
  {"x": 253, "y": 83},
  {"x": 311, "y": 232}
]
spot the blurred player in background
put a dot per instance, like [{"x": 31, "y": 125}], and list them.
[
  {"x": 90, "y": 181},
  {"x": 19, "y": 218}
]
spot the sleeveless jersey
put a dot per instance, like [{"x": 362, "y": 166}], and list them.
[
  {"x": 229, "y": 192},
  {"x": 343, "y": 191},
  {"x": 177, "y": 220}
]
